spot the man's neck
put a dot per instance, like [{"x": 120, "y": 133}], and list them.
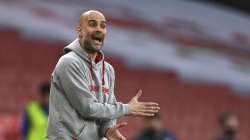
[{"x": 92, "y": 56}]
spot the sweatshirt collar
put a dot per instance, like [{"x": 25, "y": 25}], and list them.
[{"x": 99, "y": 62}]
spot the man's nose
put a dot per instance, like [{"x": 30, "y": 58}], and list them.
[
  {"x": 98, "y": 32},
  {"x": 99, "y": 29}
]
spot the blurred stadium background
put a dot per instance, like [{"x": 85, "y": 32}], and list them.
[{"x": 190, "y": 56}]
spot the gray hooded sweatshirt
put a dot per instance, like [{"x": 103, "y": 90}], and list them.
[{"x": 82, "y": 101}]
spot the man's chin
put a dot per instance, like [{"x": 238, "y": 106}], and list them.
[
  {"x": 93, "y": 49},
  {"x": 97, "y": 48}
]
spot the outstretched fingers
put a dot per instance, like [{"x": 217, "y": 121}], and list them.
[
  {"x": 144, "y": 114},
  {"x": 120, "y": 125},
  {"x": 148, "y": 107},
  {"x": 150, "y": 103}
]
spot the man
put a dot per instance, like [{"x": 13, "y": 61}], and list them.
[
  {"x": 155, "y": 130},
  {"x": 229, "y": 124},
  {"x": 82, "y": 101},
  {"x": 35, "y": 118}
]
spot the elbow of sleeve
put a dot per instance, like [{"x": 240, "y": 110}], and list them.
[{"x": 89, "y": 111}]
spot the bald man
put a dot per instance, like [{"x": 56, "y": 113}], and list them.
[{"x": 82, "y": 100}]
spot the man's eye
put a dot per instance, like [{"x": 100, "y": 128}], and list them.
[
  {"x": 103, "y": 25},
  {"x": 92, "y": 24}
]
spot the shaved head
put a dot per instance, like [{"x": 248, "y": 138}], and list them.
[
  {"x": 85, "y": 15},
  {"x": 92, "y": 30}
]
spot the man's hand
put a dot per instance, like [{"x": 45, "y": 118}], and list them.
[
  {"x": 114, "y": 134},
  {"x": 142, "y": 108}
]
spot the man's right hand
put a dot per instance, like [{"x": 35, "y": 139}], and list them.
[{"x": 142, "y": 108}]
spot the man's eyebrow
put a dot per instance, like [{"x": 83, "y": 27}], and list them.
[
  {"x": 104, "y": 21},
  {"x": 91, "y": 20}
]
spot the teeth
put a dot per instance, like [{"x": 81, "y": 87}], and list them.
[{"x": 97, "y": 39}]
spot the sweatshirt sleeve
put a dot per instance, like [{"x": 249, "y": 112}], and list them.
[
  {"x": 110, "y": 123},
  {"x": 73, "y": 82}
]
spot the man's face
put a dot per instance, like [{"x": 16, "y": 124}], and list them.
[
  {"x": 155, "y": 124},
  {"x": 232, "y": 123},
  {"x": 93, "y": 32},
  {"x": 44, "y": 99}
]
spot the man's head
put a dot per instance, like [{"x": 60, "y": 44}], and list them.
[
  {"x": 44, "y": 91},
  {"x": 92, "y": 30},
  {"x": 229, "y": 123},
  {"x": 155, "y": 123}
]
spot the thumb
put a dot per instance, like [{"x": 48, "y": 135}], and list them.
[
  {"x": 120, "y": 125},
  {"x": 138, "y": 95}
]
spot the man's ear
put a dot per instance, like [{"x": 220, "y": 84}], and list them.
[{"x": 78, "y": 30}]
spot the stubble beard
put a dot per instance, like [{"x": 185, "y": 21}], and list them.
[{"x": 89, "y": 48}]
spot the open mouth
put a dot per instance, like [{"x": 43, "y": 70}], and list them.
[{"x": 97, "y": 38}]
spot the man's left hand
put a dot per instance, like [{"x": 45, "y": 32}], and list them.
[{"x": 114, "y": 134}]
